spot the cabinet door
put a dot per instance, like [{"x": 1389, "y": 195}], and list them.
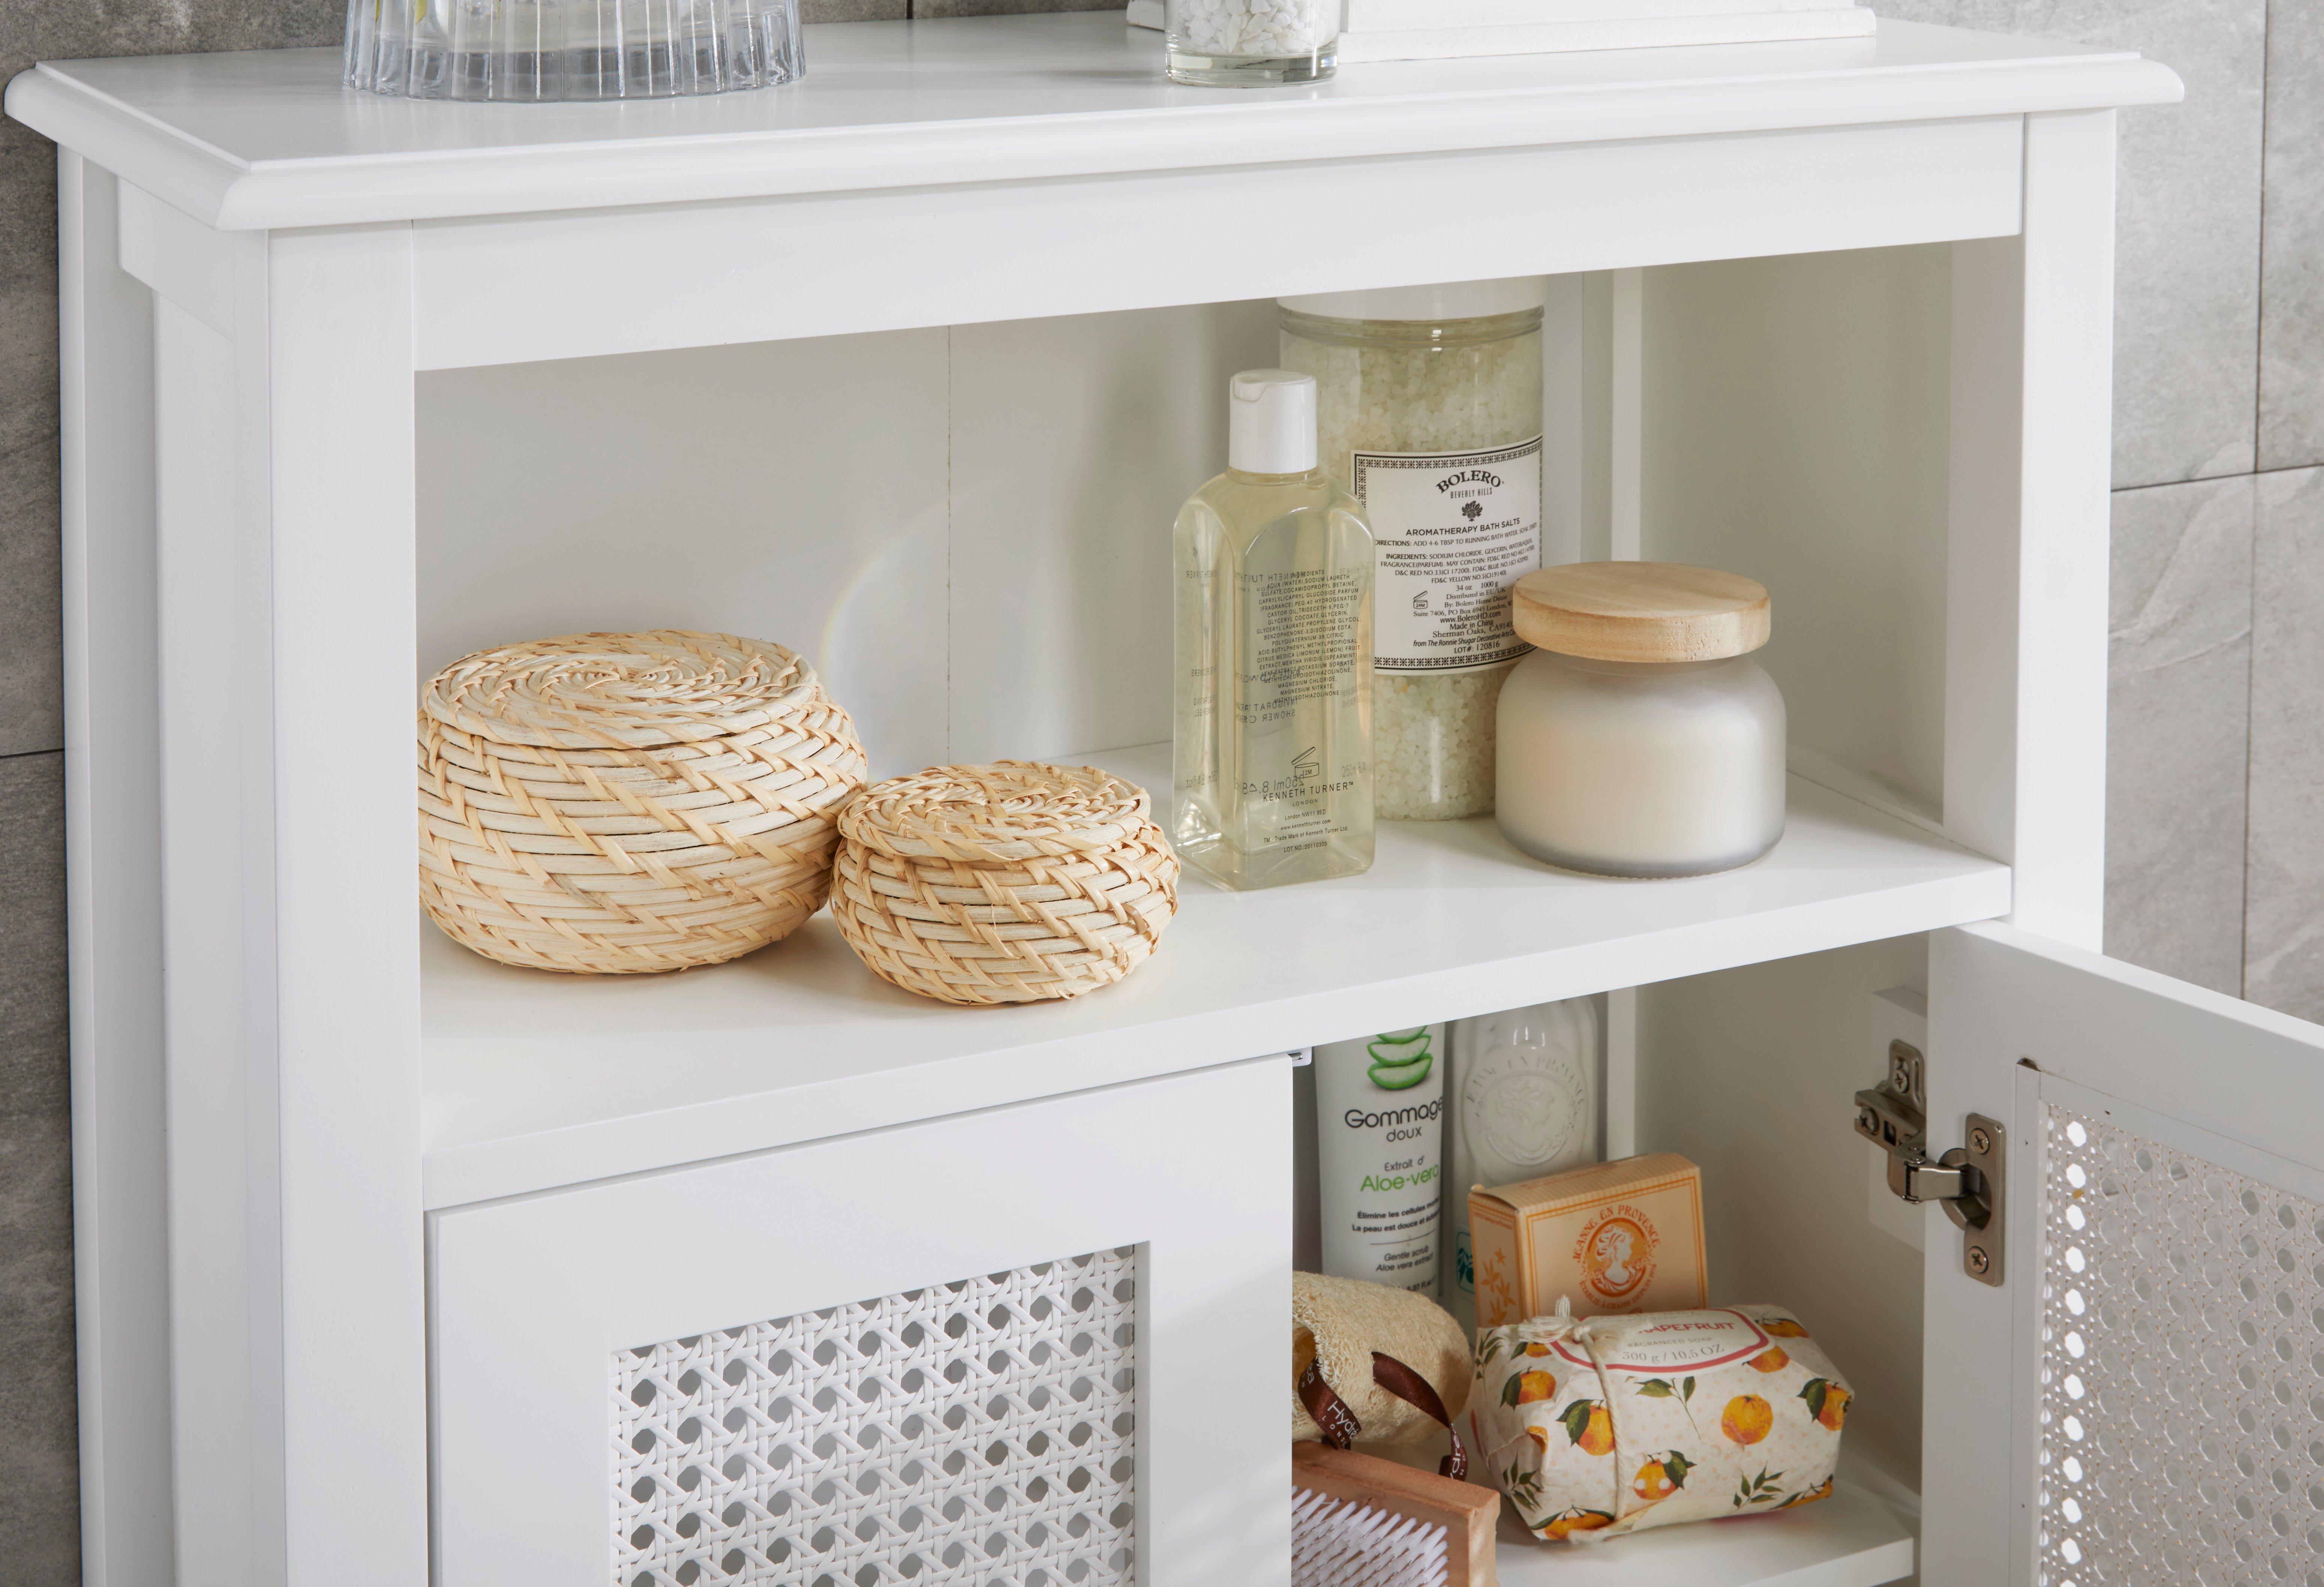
[
  {"x": 1037, "y": 1343},
  {"x": 2141, "y": 1399}
]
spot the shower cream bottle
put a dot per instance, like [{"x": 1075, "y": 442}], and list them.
[
  {"x": 1379, "y": 1130},
  {"x": 1272, "y": 780}
]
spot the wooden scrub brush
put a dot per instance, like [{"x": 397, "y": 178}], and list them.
[{"x": 1358, "y": 1520}]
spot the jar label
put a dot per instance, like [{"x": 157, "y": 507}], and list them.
[{"x": 1454, "y": 531}]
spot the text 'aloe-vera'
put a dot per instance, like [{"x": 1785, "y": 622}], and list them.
[
  {"x": 1380, "y": 1158},
  {"x": 1273, "y": 776}
]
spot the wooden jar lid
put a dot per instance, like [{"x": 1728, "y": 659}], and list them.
[{"x": 1641, "y": 612}]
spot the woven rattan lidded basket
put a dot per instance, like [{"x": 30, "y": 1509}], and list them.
[
  {"x": 615, "y": 803},
  {"x": 1007, "y": 883}
]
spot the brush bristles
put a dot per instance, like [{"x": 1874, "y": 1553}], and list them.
[{"x": 1339, "y": 1543}]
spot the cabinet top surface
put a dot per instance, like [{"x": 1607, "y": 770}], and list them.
[{"x": 267, "y": 139}]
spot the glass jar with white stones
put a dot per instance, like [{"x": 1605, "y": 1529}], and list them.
[
  {"x": 1429, "y": 410},
  {"x": 1252, "y": 43}
]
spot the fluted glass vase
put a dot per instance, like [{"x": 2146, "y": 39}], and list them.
[{"x": 554, "y": 50}]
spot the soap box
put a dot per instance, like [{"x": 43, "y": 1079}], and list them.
[{"x": 1613, "y": 1238}]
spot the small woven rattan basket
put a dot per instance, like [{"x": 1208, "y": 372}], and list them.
[
  {"x": 1009, "y": 883},
  {"x": 615, "y": 803}
]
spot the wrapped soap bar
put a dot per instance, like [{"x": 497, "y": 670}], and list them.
[
  {"x": 1597, "y": 1427},
  {"x": 1622, "y": 1236}
]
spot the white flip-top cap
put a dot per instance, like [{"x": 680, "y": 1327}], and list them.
[
  {"x": 1445, "y": 300},
  {"x": 1271, "y": 422}
]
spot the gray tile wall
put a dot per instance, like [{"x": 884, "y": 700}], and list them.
[
  {"x": 2215, "y": 857},
  {"x": 2215, "y": 762}
]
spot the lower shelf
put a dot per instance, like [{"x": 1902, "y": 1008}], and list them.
[{"x": 1849, "y": 1540}]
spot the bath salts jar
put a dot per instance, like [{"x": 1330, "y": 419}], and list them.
[
  {"x": 1639, "y": 739},
  {"x": 1429, "y": 411},
  {"x": 1252, "y": 43}
]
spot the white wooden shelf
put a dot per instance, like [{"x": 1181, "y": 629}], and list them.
[
  {"x": 1850, "y": 1539},
  {"x": 534, "y": 1080}
]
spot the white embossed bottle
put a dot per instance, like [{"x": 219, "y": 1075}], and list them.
[
  {"x": 1273, "y": 779},
  {"x": 1524, "y": 1102}
]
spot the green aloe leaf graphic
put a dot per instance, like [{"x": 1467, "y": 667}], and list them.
[
  {"x": 1399, "y": 1047},
  {"x": 1402, "y": 1077}
]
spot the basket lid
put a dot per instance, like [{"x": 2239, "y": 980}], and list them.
[
  {"x": 621, "y": 691},
  {"x": 1009, "y": 810},
  {"x": 1641, "y": 612}
]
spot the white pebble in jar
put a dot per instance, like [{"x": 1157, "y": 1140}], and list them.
[
  {"x": 1640, "y": 740},
  {"x": 1252, "y": 27},
  {"x": 1430, "y": 411},
  {"x": 1251, "y": 43}
]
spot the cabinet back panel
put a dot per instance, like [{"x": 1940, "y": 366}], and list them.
[
  {"x": 965, "y": 530},
  {"x": 1749, "y": 1073},
  {"x": 1796, "y": 429}
]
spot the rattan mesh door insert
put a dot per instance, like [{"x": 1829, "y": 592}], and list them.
[
  {"x": 2182, "y": 1370},
  {"x": 975, "y": 1432}
]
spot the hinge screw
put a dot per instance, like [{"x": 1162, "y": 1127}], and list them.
[
  {"x": 1980, "y": 1142},
  {"x": 1978, "y": 1262}
]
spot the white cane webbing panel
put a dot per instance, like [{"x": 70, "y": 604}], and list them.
[
  {"x": 972, "y": 1434},
  {"x": 2182, "y": 1370}
]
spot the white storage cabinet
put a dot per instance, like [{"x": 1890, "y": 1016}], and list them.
[{"x": 396, "y": 1265}]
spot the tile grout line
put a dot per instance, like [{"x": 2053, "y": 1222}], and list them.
[
  {"x": 2251, "y": 730},
  {"x": 2259, "y": 452},
  {"x": 2259, "y": 262},
  {"x": 27, "y": 754},
  {"x": 2241, "y": 473}
]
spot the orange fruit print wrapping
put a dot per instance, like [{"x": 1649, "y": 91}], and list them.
[{"x": 1597, "y": 1427}]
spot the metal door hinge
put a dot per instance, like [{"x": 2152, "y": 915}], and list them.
[{"x": 1967, "y": 1182}]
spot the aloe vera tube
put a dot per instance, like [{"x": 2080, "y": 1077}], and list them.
[{"x": 1380, "y": 1160}]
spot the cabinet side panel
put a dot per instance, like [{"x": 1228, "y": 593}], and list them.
[
  {"x": 223, "y": 1297},
  {"x": 114, "y": 888}
]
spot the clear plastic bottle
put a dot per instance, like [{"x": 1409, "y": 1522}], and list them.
[{"x": 1273, "y": 779}]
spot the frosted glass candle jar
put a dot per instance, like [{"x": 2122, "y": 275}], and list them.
[{"x": 1640, "y": 740}]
